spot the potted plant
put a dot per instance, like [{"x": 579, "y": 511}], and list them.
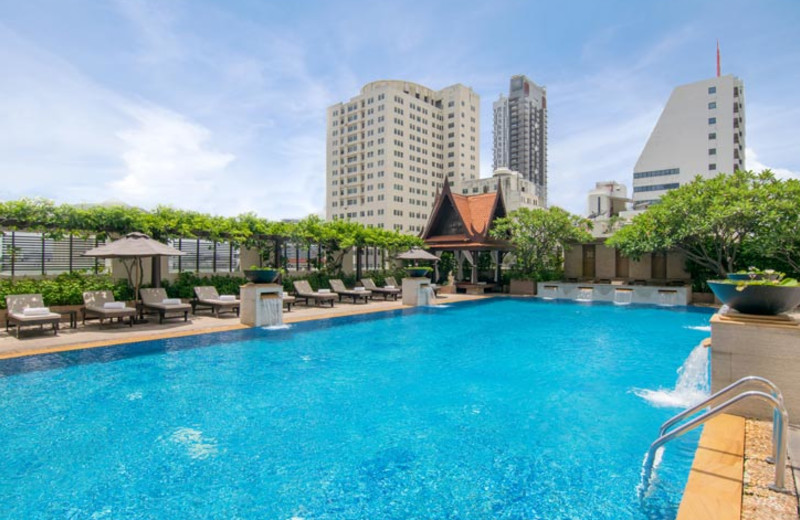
[
  {"x": 770, "y": 295},
  {"x": 416, "y": 271},
  {"x": 262, "y": 274},
  {"x": 752, "y": 273}
]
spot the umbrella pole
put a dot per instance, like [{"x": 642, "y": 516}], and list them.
[{"x": 136, "y": 283}]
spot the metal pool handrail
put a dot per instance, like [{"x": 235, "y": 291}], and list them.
[
  {"x": 779, "y": 442},
  {"x": 754, "y": 381}
]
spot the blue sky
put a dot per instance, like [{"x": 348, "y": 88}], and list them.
[{"x": 220, "y": 106}]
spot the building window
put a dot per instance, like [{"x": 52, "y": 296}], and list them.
[
  {"x": 656, "y": 173},
  {"x": 712, "y": 166},
  {"x": 712, "y": 120},
  {"x": 712, "y": 105},
  {"x": 712, "y": 135},
  {"x": 712, "y": 151},
  {"x": 712, "y": 90},
  {"x": 656, "y": 187}
]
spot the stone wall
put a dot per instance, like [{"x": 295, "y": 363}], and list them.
[{"x": 749, "y": 346}]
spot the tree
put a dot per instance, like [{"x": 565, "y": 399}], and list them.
[
  {"x": 779, "y": 236},
  {"x": 540, "y": 237},
  {"x": 710, "y": 220}
]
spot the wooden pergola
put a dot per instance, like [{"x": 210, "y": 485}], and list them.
[{"x": 461, "y": 224}]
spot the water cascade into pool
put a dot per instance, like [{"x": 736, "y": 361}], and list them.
[
  {"x": 585, "y": 294},
  {"x": 426, "y": 295},
  {"x": 623, "y": 296},
  {"x": 270, "y": 309},
  {"x": 691, "y": 387}
]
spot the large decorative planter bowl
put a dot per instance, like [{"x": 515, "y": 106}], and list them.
[
  {"x": 769, "y": 300},
  {"x": 417, "y": 272},
  {"x": 262, "y": 275}
]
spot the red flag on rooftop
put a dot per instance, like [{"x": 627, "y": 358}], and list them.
[{"x": 718, "y": 68}]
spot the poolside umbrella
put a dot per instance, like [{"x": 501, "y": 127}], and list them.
[
  {"x": 134, "y": 246},
  {"x": 416, "y": 254}
]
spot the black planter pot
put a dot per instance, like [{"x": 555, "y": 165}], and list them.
[
  {"x": 262, "y": 275},
  {"x": 417, "y": 272},
  {"x": 766, "y": 300}
]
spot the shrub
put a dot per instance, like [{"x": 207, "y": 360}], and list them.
[
  {"x": 183, "y": 286},
  {"x": 64, "y": 289}
]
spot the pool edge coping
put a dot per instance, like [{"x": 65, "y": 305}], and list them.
[{"x": 715, "y": 486}]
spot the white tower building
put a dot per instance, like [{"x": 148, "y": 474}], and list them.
[{"x": 700, "y": 132}]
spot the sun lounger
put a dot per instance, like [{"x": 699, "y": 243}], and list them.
[
  {"x": 288, "y": 301},
  {"x": 374, "y": 289},
  {"x": 29, "y": 309},
  {"x": 357, "y": 295},
  {"x": 101, "y": 305},
  {"x": 156, "y": 301},
  {"x": 209, "y": 298},
  {"x": 391, "y": 283},
  {"x": 303, "y": 291}
]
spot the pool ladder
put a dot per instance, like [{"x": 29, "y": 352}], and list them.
[{"x": 743, "y": 389}]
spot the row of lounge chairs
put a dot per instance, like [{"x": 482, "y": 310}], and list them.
[
  {"x": 338, "y": 290},
  {"x": 29, "y": 309}
]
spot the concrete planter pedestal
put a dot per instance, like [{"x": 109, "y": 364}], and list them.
[
  {"x": 522, "y": 287},
  {"x": 767, "y": 346}
]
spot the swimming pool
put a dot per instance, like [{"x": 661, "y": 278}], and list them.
[{"x": 501, "y": 409}]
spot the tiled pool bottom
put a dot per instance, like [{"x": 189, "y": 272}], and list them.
[{"x": 500, "y": 409}]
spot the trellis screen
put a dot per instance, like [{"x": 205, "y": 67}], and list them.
[
  {"x": 23, "y": 253},
  {"x": 204, "y": 256}
]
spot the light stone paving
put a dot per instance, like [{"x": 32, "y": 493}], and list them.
[
  {"x": 93, "y": 335},
  {"x": 758, "y": 501}
]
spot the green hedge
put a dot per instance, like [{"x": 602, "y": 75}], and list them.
[
  {"x": 64, "y": 289},
  {"x": 184, "y": 286}
]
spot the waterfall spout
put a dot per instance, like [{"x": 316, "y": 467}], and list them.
[
  {"x": 690, "y": 388},
  {"x": 623, "y": 296},
  {"x": 585, "y": 294}
]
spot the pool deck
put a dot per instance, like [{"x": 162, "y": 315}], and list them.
[
  {"x": 93, "y": 335},
  {"x": 729, "y": 477}
]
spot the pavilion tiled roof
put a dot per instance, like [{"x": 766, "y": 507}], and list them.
[{"x": 476, "y": 212}]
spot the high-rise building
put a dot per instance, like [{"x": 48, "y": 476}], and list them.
[
  {"x": 700, "y": 132},
  {"x": 393, "y": 145},
  {"x": 520, "y": 132}
]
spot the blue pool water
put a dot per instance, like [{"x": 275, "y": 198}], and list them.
[{"x": 500, "y": 409}]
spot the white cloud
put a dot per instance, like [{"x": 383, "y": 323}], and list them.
[
  {"x": 166, "y": 155},
  {"x": 754, "y": 164}
]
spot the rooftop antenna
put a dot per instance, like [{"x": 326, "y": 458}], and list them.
[{"x": 718, "y": 67}]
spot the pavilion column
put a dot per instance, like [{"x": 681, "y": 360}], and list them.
[
  {"x": 460, "y": 265},
  {"x": 497, "y": 256},
  {"x": 475, "y": 266}
]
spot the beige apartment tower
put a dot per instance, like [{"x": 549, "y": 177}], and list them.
[{"x": 391, "y": 147}]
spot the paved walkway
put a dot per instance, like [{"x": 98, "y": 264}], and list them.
[{"x": 92, "y": 334}]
